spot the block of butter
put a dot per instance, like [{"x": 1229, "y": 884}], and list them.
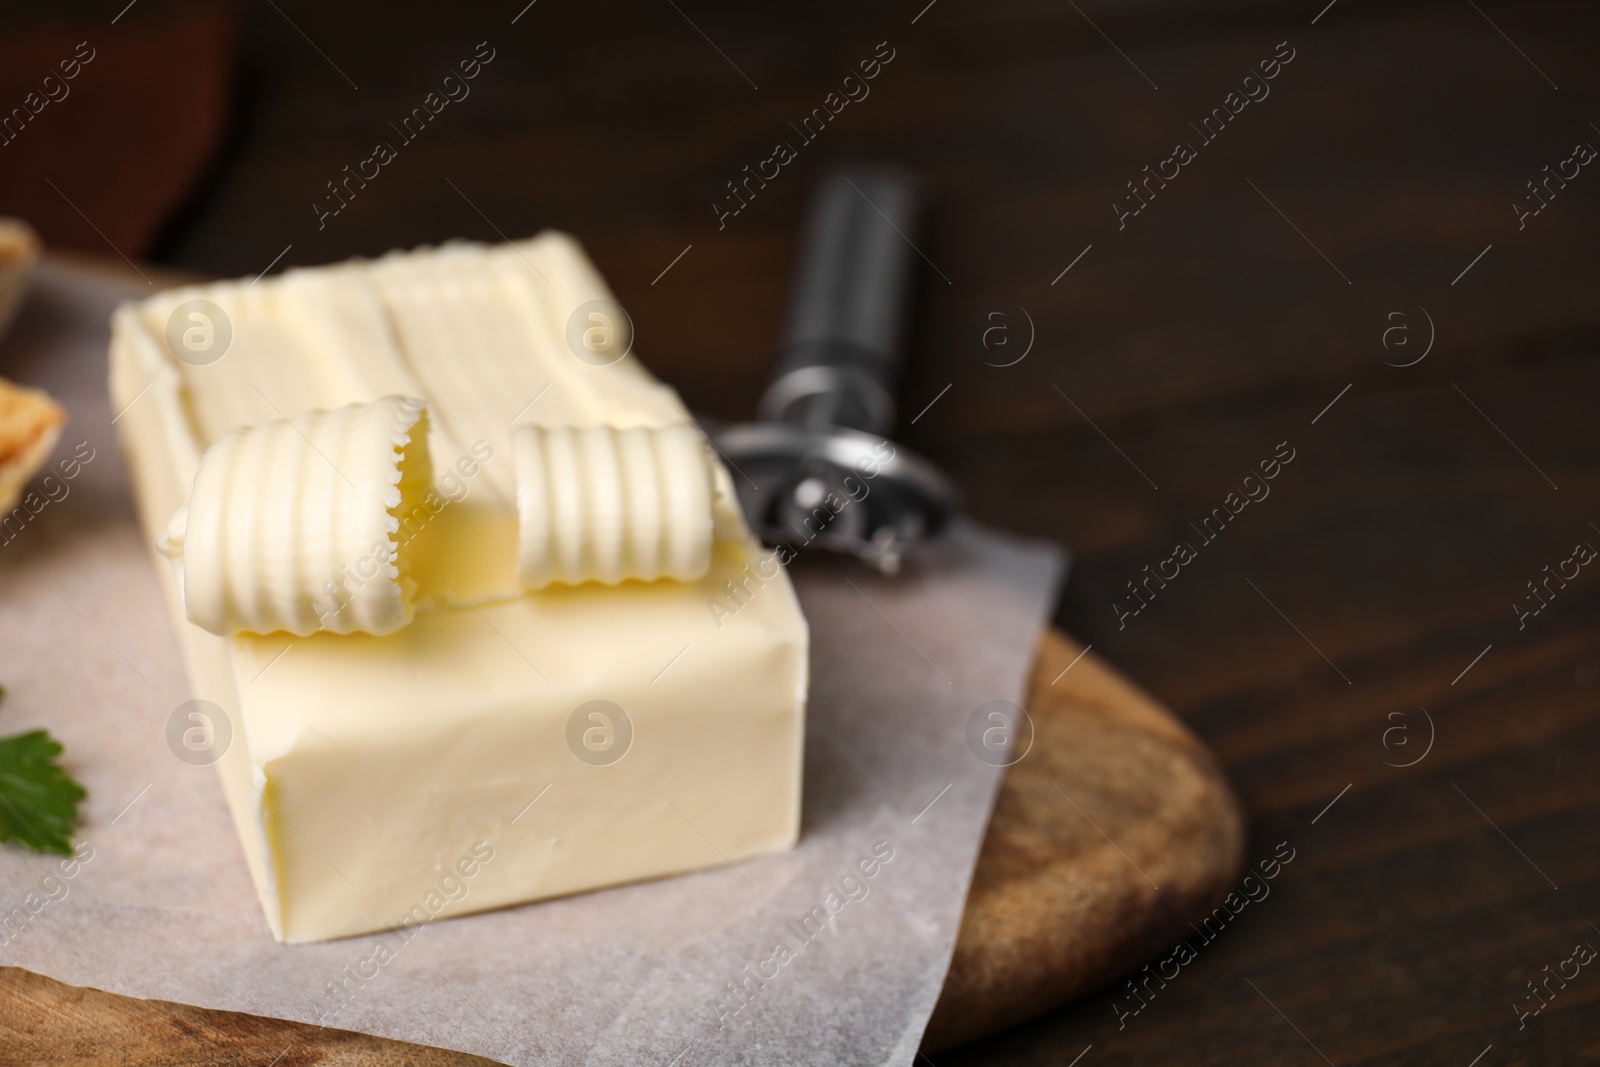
[{"x": 517, "y": 737}]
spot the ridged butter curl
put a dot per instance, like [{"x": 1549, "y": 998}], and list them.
[
  {"x": 599, "y": 504},
  {"x": 291, "y": 525}
]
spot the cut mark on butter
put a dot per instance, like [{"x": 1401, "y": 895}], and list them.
[
  {"x": 292, "y": 525},
  {"x": 607, "y": 505}
]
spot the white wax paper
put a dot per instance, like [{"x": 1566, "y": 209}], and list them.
[{"x": 164, "y": 906}]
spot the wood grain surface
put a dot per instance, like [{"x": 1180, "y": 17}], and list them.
[
  {"x": 1110, "y": 835},
  {"x": 1349, "y": 646}
]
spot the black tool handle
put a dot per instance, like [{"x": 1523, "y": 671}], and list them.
[{"x": 843, "y": 346}]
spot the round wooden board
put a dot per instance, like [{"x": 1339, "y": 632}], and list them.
[
  {"x": 1113, "y": 832},
  {"x": 1109, "y": 837}
]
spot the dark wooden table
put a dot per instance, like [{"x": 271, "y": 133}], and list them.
[{"x": 1350, "y": 645}]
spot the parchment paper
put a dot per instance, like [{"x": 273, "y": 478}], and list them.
[{"x": 163, "y": 907}]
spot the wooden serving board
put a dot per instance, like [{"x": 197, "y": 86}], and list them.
[{"x": 1113, "y": 832}]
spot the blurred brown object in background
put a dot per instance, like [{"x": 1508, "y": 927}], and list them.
[
  {"x": 106, "y": 129},
  {"x": 19, "y": 257},
  {"x": 30, "y": 423}
]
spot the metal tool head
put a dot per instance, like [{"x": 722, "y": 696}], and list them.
[
  {"x": 818, "y": 471},
  {"x": 838, "y": 489}
]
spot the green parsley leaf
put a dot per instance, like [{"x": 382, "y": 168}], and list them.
[{"x": 38, "y": 800}]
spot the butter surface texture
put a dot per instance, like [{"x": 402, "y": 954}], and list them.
[{"x": 363, "y": 769}]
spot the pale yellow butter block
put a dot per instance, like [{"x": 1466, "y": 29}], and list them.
[{"x": 363, "y": 769}]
